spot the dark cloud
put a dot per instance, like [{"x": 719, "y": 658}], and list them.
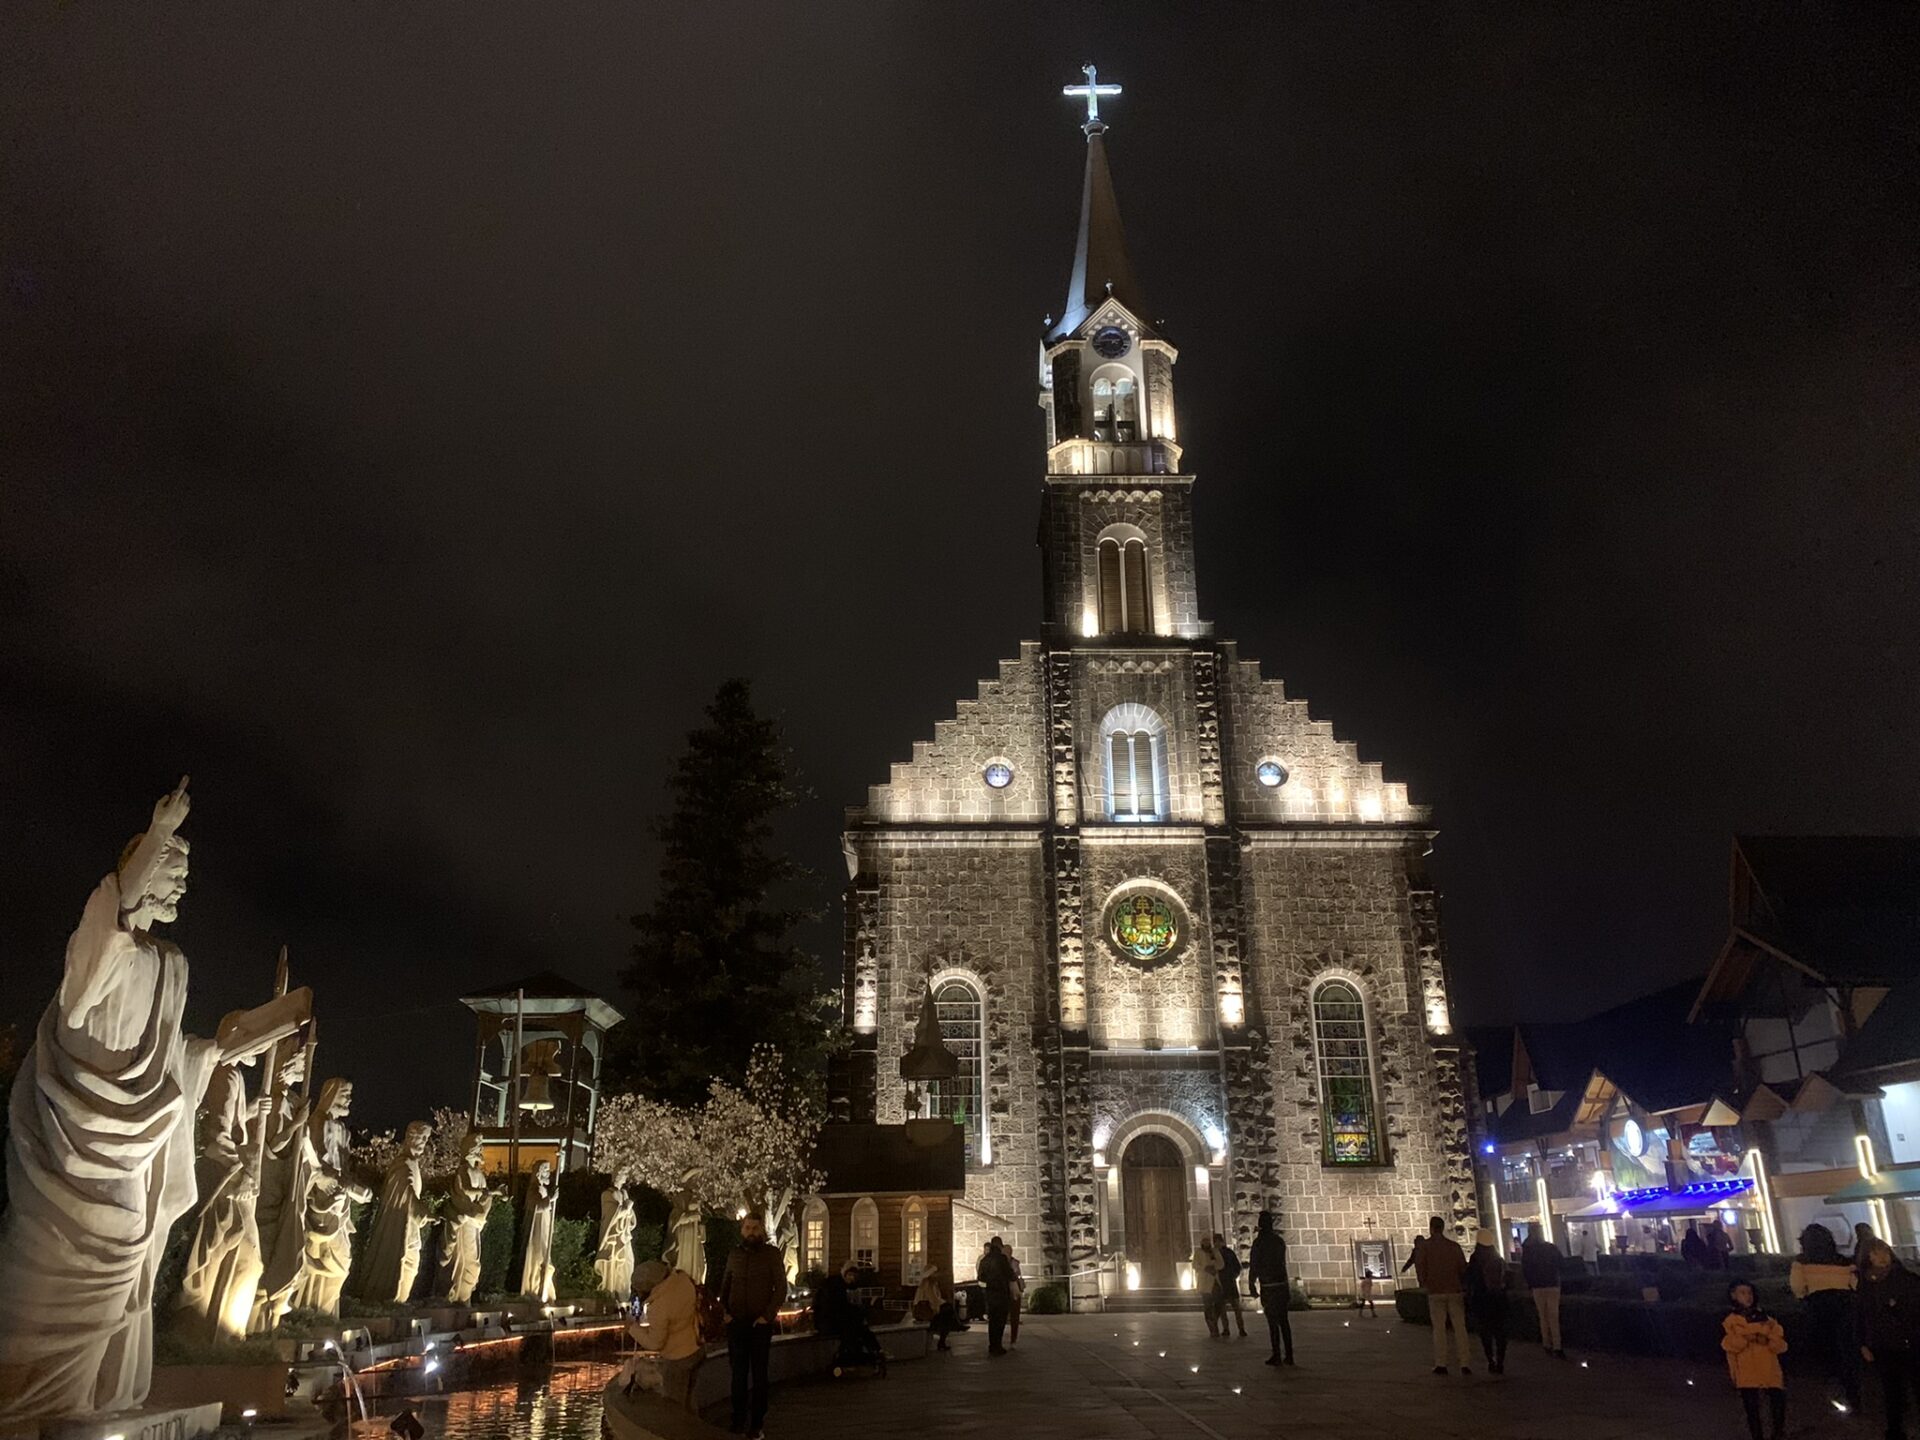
[{"x": 410, "y": 418}]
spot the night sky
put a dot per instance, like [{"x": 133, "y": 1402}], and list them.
[{"x": 408, "y": 415}]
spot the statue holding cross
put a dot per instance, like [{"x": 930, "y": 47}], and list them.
[{"x": 1091, "y": 92}]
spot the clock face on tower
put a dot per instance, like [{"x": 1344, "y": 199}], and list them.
[{"x": 1111, "y": 341}]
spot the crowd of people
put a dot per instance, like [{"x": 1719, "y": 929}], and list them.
[{"x": 1862, "y": 1310}]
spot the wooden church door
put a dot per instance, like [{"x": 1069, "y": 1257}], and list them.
[{"x": 1153, "y": 1189}]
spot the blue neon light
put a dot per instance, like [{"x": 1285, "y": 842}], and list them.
[{"x": 1701, "y": 1189}]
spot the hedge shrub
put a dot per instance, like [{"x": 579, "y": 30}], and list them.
[{"x": 1047, "y": 1300}]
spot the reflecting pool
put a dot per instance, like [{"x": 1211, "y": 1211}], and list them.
[{"x": 560, "y": 1402}]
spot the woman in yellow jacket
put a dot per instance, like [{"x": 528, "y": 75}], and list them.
[{"x": 1754, "y": 1343}]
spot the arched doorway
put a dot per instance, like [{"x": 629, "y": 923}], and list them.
[{"x": 1153, "y": 1190}]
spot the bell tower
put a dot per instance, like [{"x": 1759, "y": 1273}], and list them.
[{"x": 1116, "y": 530}]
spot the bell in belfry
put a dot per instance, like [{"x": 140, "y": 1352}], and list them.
[{"x": 536, "y": 1065}]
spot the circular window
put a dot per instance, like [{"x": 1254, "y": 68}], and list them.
[
  {"x": 998, "y": 774},
  {"x": 1270, "y": 773},
  {"x": 1143, "y": 926}
]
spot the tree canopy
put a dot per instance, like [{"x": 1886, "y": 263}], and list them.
[{"x": 715, "y": 971}]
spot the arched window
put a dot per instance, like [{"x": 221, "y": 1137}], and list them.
[
  {"x": 962, "y": 1026},
  {"x": 1136, "y": 758},
  {"x": 1126, "y": 606},
  {"x": 813, "y": 1236},
  {"x": 1349, "y": 1126},
  {"x": 1116, "y": 405},
  {"x": 913, "y": 1241},
  {"x": 866, "y": 1232}
]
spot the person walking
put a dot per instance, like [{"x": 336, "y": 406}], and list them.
[
  {"x": 1540, "y": 1268},
  {"x": 1693, "y": 1249},
  {"x": 1754, "y": 1343},
  {"x": 1206, "y": 1279},
  {"x": 1824, "y": 1283},
  {"x": 1442, "y": 1272},
  {"x": 933, "y": 1306},
  {"x": 1719, "y": 1245},
  {"x": 1366, "y": 1293},
  {"x": 1267, "y": 1283},
  {"x": 995, "y": 1272},
  {"x": 1889, "y": 1321},
  {"x": 752, "y": 1290},
  {"x": 1229, "y": 1285},
  {"x": 1018, "y": 1294},
  {"x": 1487, "y": 1300}
]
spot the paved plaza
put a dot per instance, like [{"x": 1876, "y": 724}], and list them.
[{"x": 1087, "y": 1376}]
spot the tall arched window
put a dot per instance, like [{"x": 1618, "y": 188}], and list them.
[
  {"x": 813, "y": 1236},
  {"x": 1125, "y": 603},
  {"x": 866, "y": 1232},
  {"x": 1136, "y": 758},
  {"x": 1349, "y": 1124},
  {"x": 913, "y": 1241},
  {"x": 962, "y": 1026},
  {"x": 1116, "y": 405}
]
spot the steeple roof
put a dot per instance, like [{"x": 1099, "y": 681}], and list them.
[{"x": 1100, "y": 264}]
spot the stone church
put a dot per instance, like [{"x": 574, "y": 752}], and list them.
[{"x": 1180, "y": 934}]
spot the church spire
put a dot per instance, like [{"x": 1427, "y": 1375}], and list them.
[{"x": 1100, "y": 264}]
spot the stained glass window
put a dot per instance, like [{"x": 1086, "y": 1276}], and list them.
[
  {"x": 958, "y": 1005},
  {"x": 1349, "y": 1129},
  {"x": 1143, "y": 926}
]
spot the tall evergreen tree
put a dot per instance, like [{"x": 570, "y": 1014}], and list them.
[{"x": 715, "y": 970}]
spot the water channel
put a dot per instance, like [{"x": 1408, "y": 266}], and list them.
[{"x": 560, "y": 1401}]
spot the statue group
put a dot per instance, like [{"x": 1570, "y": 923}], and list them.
[{"x": 122, "y": 1124}]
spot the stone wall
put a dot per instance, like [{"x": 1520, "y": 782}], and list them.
[
  {"x": 943, "y": 781},
  {"x": 972, "y": 905},
  {"x": 1327, "y": 779},
  {"x": 1317, "y": 907}
]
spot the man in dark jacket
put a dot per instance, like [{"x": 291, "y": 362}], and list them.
[
  {"x": 1442, "y": 1271},
  {"x": 1267, "y": 1282},
  {"x": 751, "y": 1293},
  {"x": 1540, "y": 1268},
  {"x": 1890, "y": 1328},
  {"x": 996, "y": 1273}
]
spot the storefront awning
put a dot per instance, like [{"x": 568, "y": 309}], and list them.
[
  {"x": 1695, "y": 1199},
  {"x": 1895, "y": 1182}
]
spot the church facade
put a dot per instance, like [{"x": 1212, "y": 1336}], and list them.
[{"x": 1179, "y": 934}]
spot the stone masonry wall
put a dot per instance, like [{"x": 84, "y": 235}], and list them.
[
  {"x": 943, "y": 781},
  {"x": 973, "y": 905},
  {"x": 1316, "y": 909}
]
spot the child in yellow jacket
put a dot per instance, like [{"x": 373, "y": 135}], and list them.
[{"x": 1754, "y": 1343}]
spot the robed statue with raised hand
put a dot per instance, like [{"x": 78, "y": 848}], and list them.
[
  {"x": 392, "y": 1260},
  {"x": 100, "y": 1158}
]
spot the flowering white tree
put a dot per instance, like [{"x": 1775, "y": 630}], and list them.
[
  {"x": 446, "y": 1146},
  {"x": 744, "y": 1148}
]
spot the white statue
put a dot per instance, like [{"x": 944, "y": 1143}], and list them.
[
  {"x": 393, "y": 1246},
  {"x": 224, "y": 1267},
  {"x": 288, "y": 1162},
  {"x": 536, "y": 1271},
  {"x": 100, "y": 1155},
  {"x": 468, "y": 1204},
  {"x": 687, "y": 1238},
  {"x": 613, "y": 1261},
  {"x": 326, "y": 1217}
]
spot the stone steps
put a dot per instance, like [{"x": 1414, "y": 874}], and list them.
[{"x": 1147, "y": 1301}]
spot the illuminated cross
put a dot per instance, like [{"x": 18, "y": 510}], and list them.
[{"x": 1093, "y": 90}]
